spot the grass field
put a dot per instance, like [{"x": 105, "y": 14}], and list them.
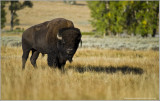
[
  {"x": 94, "y": 74},
  {"x": 109, "y": 68}
]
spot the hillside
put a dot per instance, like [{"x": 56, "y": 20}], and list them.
[{"x": 48, "y": 10}]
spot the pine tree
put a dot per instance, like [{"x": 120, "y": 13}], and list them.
[
  {"x": 15, "y": 6},
  {"x": 3, "y": 14}
]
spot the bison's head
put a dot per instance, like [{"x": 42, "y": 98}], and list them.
[{"x": 68, "y": 42}]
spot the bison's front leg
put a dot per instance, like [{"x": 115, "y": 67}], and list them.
[
  {"x": 61, "y": 64},
  {"x": 52, "y": 60},
  {"x": 61, "y": 67}
]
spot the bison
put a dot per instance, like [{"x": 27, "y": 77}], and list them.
[{"x": 58, "y": 38}]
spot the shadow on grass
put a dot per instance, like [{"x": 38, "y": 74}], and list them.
[{"x": 110, "y": 69}]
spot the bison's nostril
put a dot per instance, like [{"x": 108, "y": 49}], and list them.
[{"x": 69, "y": 51}]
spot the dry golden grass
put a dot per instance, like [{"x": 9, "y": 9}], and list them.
[
  {"x": 94, "y": 74},
  {"x": 47, "y": 10}
]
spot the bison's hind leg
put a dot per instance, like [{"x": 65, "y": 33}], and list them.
[{"x": 34, "y": 57}]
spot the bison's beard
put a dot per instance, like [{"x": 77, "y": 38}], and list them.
[
  {"x": 70, "y": 60},
  {"x": 52, "y": 60}
]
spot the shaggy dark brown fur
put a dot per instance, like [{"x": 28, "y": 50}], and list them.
[{"x": 44, "y": 38}]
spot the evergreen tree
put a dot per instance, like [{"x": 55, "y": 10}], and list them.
[
  {"x": 15, "y": 6},
  {"x": 3, "y": 14}
]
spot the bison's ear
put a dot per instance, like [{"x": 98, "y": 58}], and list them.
[{"x": 59, "y": 37}]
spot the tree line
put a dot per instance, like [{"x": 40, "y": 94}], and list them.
[
  {"x": 108, "y": 17},
  {"x": 131, "y": 17},
  {"x": 14, "y": 6}
]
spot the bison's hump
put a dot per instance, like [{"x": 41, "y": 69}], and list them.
[{"x": 54, "y": 26}]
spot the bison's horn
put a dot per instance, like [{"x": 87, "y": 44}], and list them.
[{"x": 59, "y": 37}]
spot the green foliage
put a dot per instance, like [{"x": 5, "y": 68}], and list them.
[
  {"x": 115, "y": 17},
  {"x": 88, "y": 33},
  {"x": 98, "y": 13},
  {"x": 27, "y": 4},
  {"x": 3, "y": 14},
  {"x": 146, "y": 16},
  {"x": 15, "y": 6}
]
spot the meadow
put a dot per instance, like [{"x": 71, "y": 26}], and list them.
[
  {"x": 94, "y": 74},
  {"x": 104, "y": 68},
  {"x": 48, "y": 10}
]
